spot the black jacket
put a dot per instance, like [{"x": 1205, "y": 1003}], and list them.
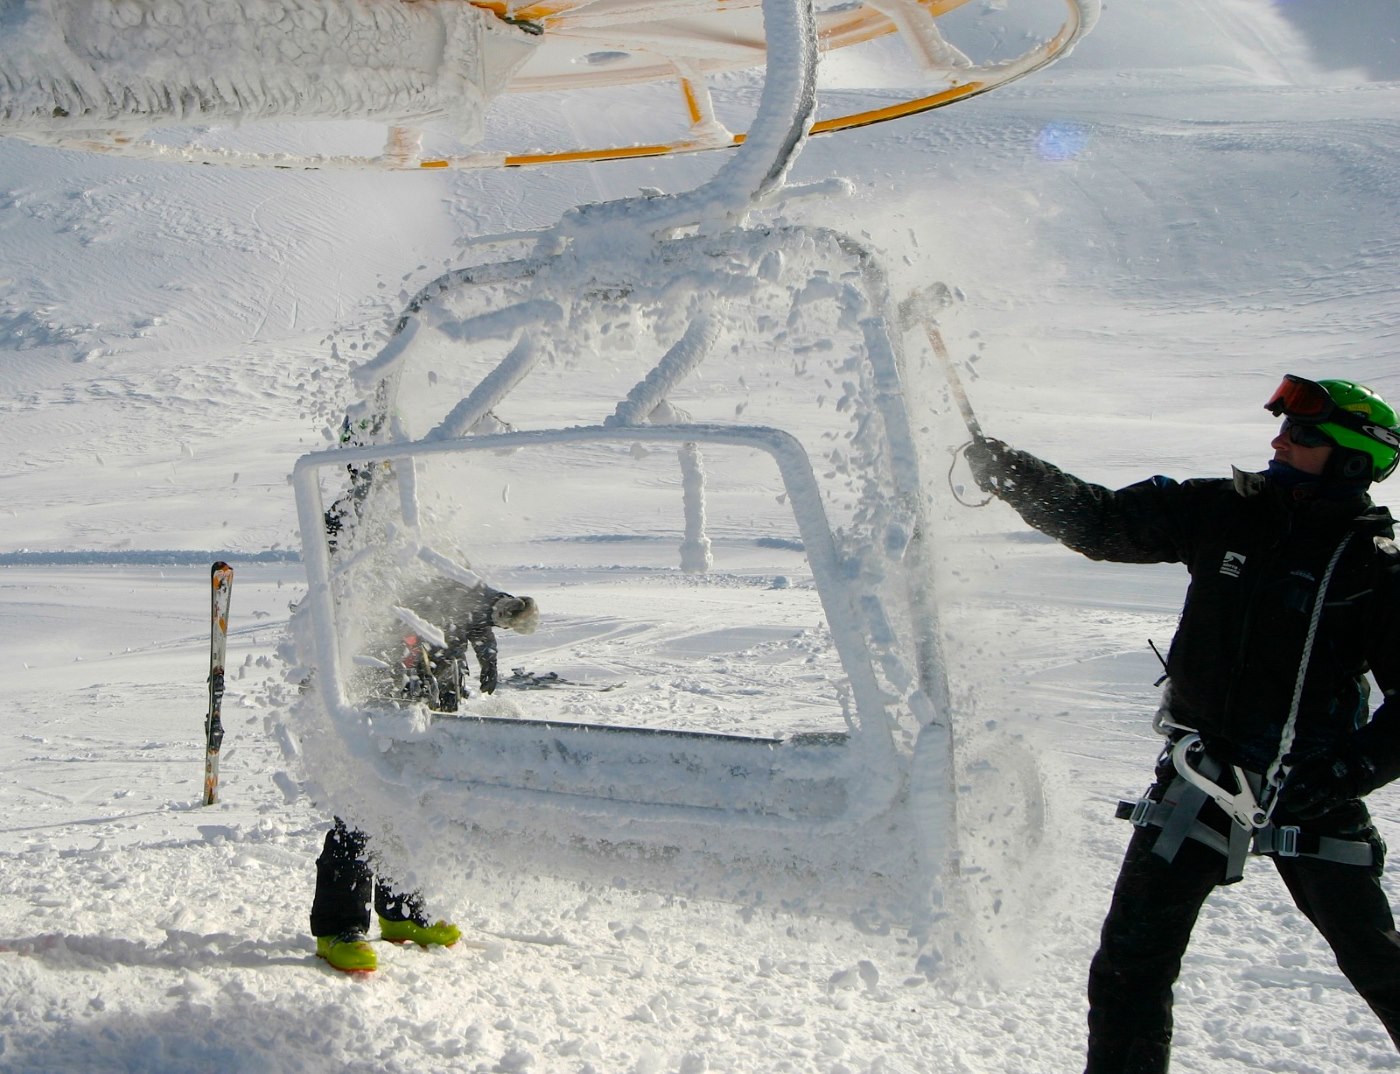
[
  {"x": 1256, "y": 553},
  {"x": 464, "y": 614}
]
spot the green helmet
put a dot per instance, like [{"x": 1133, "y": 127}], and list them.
[{"x": 1377, "y": 435}]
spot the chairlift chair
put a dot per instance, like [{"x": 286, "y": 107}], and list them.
[{"x": 774, "y": 345}]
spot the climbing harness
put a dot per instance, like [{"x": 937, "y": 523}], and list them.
[
  {"x": 1178, "y": 810},
  {"x": 1250, "y": 804}
]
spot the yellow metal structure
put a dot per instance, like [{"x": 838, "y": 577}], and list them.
[{"x": 551, "y": 48}]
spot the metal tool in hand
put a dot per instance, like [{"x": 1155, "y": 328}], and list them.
[{"x": 919, "y": 308}]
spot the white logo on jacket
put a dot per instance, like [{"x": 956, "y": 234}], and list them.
[{"x": 1232, "y": 564}]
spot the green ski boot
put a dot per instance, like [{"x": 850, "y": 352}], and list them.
[
  {"x": 442, "y": 934},
  {"x": 348, "y": 952}
]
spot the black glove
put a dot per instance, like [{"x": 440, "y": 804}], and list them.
[
  {"x": 1325, "y": 781},
  {"x": 988, "y": 461}
]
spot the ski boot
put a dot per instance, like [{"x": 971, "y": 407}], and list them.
[
  {"x": 441, "y": 934},
  {"x": 348, "y": 952}
]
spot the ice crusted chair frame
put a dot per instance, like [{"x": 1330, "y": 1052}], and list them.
[
  {"x": 870, "y": 811},
  {"x": 816, "y": 799},
  {"x": 813, "y": 814},
  {"x": 874, "y": 745}
]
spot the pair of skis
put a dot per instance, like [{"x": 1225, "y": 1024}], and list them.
[
  {"x": 534, "y": 680},
  {"x": 221, "y": 577}
]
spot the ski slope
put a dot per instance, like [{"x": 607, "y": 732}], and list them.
[{"x": 1144, "y": 238}]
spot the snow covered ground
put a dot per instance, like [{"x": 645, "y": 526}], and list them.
[{"x": 1147, "y": 236}]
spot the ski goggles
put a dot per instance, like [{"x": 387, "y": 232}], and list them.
[{"x": 1307, "y": 403}]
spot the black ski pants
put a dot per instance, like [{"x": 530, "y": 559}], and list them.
[
  {"x": 1155, "y": 904},
  {"x": 344, "y": 882}
]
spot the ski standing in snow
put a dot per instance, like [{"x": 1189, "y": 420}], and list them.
[
  {"x": 1270, "y": 743},
  {"x": 222, "y": 580}
]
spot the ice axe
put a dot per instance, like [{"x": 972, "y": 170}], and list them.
[{"x": 921, "y": 309}]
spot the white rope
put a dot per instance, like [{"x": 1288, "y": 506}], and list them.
[{"x": 1274, "y": 776}]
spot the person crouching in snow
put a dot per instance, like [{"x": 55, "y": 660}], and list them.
[
  {"x": 1294, "y": 595},
  {"x": 468, "y": 616},
  {"x": 345, "y": 878}
]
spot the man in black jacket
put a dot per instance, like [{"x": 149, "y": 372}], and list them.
[
  {"x": 1294, "y": 596},
  {"x": 468, "y": 611}
]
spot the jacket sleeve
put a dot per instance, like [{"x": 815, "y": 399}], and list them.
[
  {"x": 1377, "y": 743},
  {"x": 1148, "y": 522},
  {"x": 484, "y": 645}
]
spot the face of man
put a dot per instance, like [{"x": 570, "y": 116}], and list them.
[{"x": 1308, "y": 459}]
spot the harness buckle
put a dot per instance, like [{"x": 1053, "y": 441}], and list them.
[
  {"x": 1286, "y": 843},
  {"x": 1241, "y": 805},
  {"x": 1142, "y": 809}
]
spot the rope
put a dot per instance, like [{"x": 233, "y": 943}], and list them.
[
  {"x": 952, "y": 484},
  {"x": 1274, "y": 777}
]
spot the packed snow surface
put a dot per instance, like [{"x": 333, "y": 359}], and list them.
[{"x": 1143, "y": 239}]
